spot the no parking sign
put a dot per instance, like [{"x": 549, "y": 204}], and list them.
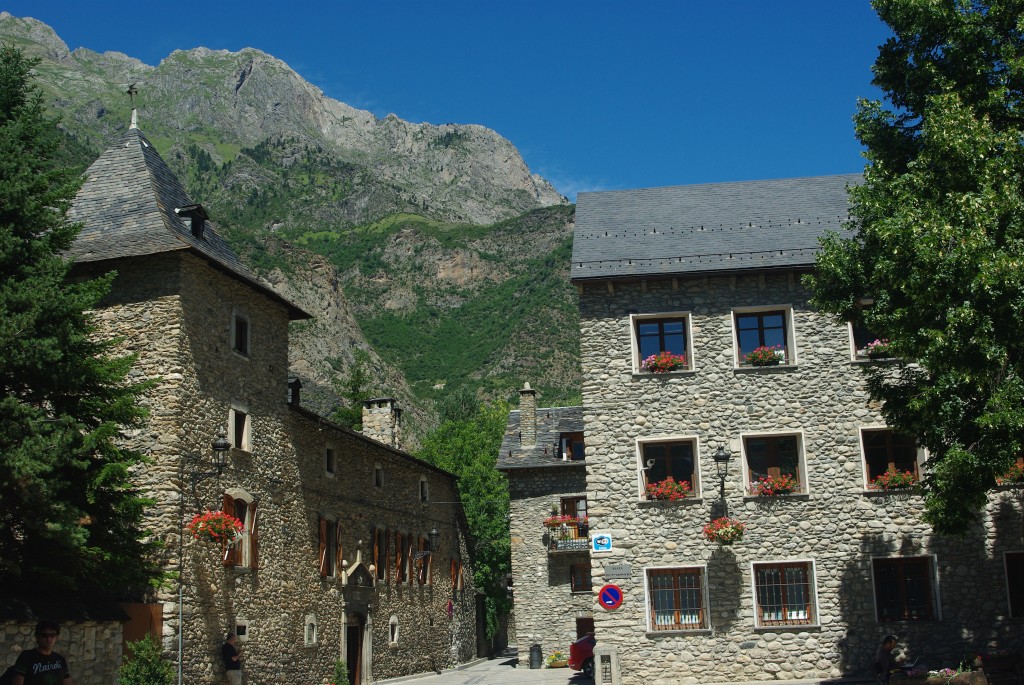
[{"x": 610, "y": 596}]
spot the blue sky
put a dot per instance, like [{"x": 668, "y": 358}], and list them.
[{"x": 596, "y": 94}]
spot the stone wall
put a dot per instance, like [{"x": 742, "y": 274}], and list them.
[
  {"x": 545, "y": 607},
  {"x": 92, "y": 648},
  {"x": 837, "y": 525}
]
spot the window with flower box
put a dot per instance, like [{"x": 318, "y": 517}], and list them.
[
  {"x": 904, "y": 588},
  {"x": 887, "y": 452},
  {"x": 1014, "y": 564},
  {"x": 766, "y": 329},
  {"x": 654, "y": 334},
  {"x": 677, "y": 599},
  {"x": 573, "y": 533},
  {"x": 244, "y": 551},
  {"x": 580, "y": 579},
  {"x": 662, "y": 459},
  {"x": 784, "y": 592},
  {"x": 774, "y": 464}
]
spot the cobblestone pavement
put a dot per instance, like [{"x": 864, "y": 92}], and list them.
[{"x": 498, "y": 671}]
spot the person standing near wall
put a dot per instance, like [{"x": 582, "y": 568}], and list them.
[
  {"x": 232, "y": 660},
  {"x": 42, "y": 665}
]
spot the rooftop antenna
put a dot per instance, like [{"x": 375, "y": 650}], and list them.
[{"x": 132, "y": 92}]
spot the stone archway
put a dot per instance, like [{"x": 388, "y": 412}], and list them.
[{"x": 358, "y": 593}]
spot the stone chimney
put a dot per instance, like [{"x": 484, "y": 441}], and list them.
[
  {"x": 381, "y": 420},
  {"x": 528, "y": 416}
]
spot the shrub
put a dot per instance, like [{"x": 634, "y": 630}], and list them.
[{"x": 146, "y": 665}]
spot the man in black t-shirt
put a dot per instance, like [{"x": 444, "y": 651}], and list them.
[
  {"x": 42, "y": 665},
  {"x": 232, "y": 660}
]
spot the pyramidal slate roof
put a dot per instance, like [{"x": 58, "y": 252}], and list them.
[
  {"x": 551, "y": 423},
  {"x": 127, "y": 205},
  {"x": 707, "y": 228}
]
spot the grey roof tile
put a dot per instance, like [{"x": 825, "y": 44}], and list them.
[
  {"x": 551, "y": 423},
  {"x": 707, "y": 228},
  {"x": 127, "y": 205}
]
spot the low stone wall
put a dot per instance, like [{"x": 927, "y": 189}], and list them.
[{"x": 93, "y": 649}]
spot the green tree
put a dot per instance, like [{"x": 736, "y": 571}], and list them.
[
  {"x": 69, "y": 516},
  {"x": 356, "y": 390},
  {"x": 469, "y": 449},
  {"x": 939, "y": 243}
]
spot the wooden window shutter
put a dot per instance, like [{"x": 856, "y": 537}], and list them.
[
  {"x": 385, "y": 559},
  {"x": 410, "y": 549},
  {"x": 455, "y": 577},
  {"x": 376, "y": 551},
  {"x": 429, "y": 561},
  {"x": 323, "y": 546},
  {"x": 232, "y": 554},
  {"x": 339, "y": 553},
  {"x": 254, "y": 538},
  {"x": 399, "y": 558}
]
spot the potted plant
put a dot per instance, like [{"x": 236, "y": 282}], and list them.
[
  {"x": 766, "y": 356},
  {"x": 894, "y": 480},
  {"x": 877, "y": 349},
  {"x": 669, "y": 489},
  {"x": 557, "y": 660},
  {"x": 215, "y": 526},
  {"x": 724, "y": 530},
  {"x": 771, "y": 486},
  {"x": 663, "y": 362}
]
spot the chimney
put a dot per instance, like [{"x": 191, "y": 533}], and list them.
[
  {"x": 381, "y": 419},
  {"x": 528, "y": 416}
]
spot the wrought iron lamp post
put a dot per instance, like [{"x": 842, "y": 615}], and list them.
[{"x": 722, "y": 458}]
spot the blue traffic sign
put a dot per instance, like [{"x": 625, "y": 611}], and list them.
[{"x": 610, "y": 596}]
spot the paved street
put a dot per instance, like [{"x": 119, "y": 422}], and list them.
[{"x": 499, "y": 671}]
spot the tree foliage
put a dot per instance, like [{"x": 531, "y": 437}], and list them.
[
  {"x": 68, "y": 514},
  {"x": 939, "y": 243},
  {"x": 468, "y": 447},
  {"x": 146, "y": 665}
]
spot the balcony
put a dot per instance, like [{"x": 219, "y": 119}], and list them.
[{"x": 567, "y": 534}]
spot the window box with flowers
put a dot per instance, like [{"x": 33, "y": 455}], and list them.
[
  {"x": 215, "y": 526},
  {"x": 894, "y": 480},
  {"x": 876, "y": 349},
  {"x": 766, "y": 356},
  {"x": 724, "y": 530},
  {"x": 664, "y": 362},
  {"x": 670, "y": 490},
  {"x": 774, "y": 486}
]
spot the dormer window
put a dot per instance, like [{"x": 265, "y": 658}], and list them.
[
  {"x": 194, "y": 216},
  {"x": 571, "y": 446}
]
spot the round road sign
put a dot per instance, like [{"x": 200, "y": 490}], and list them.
[{"x": 610, "y": 596}]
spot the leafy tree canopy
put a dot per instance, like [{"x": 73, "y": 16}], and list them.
[
  {"x": 468, "y": 447},
  {"x": 68, "y": 514},
  {"x": 937, "y": 263}
]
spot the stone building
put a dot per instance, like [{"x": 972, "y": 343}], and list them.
[
  {"x": 710, "y": 273},
  {"x": 542, "y": 454},
  {"x": 352, "y": 549}
]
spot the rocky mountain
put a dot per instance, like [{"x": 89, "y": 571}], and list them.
[{"x": 405, "y": 240}]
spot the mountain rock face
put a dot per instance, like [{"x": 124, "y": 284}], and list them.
[{"x": 431, "y": 257}]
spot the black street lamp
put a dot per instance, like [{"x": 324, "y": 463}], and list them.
[{"x": 722, "y": 458}]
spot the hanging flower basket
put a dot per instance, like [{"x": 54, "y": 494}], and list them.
[
  {"x": 724, "y": 530},
  {"x": 669, "y": 489},
  {"x": 766, "y": 356},
  {"x": 663, "y": 362},
  {"x": 894, "y": 480},
  {"x": 772, "y": 486},
  {"x": 215, "y": 526}
]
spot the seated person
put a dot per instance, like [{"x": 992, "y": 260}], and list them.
[{"x": 884, "y": 665}]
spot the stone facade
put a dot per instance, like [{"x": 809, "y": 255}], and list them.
[
  {"x": 92, "y": 648},
  {"x": 834, "y": 529}
]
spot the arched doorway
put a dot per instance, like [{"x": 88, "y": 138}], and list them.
[{"x": 355, "y": 627}]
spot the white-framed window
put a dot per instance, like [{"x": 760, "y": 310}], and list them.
[
  {"x": 310, "y": 631},
  {"x": 886, "y": 452},
  {"x": 330, "y": 549},
  {"x": 239, "y": 427},
  {"x": 652, "y": 334},
  {"x": 330, "y": 461},
  {"x": 240, "y": 333},
  {"x": 906, "y": 588},
  {"x": 667, "y": 457},
  {"x": 784, "y": 593},
  {"x": 424, "y": 489},
  {"x": 393, "y": 630},
  {"x": 378, "y": 476},
  {"x": 677, "y": 598},
  {"x": 769, "y": 327},
  {"x": 242, "y": 629},
  {"x": 1013, "y": 564},
  {"x": 244, "y": 550},
  {"x": 773, "y": 458}
]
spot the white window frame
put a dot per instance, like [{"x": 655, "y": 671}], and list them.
[
  {"x": 691, "y": 361},
  {"x": 242, "y": 629},
  {"x": 812, "y": 581},
  {"x": 237, "y": 407},
  {"x": 244, "y": 541},
  {"x": 393, "y": 630},
  {"x": 330, "y": 460},
  {"x": 705, "y": 598},
  {"x": 424, "y": 493},
  {"x": 237, "y": 315},
  {"x": 922, "y": 454},
  {"x": 805, "y": 486},
  {"x": 936, "y": 598},
  {"x": 310, "y": 631},
  {"x": 696, "y": 491},
  {"x": 791, "y": 346}
]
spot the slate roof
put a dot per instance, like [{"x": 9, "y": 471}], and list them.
[
  {"x": 551, "y": 423},
  {"x": 127, "y": 204},
  {"x": 714, "y": 227}
]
